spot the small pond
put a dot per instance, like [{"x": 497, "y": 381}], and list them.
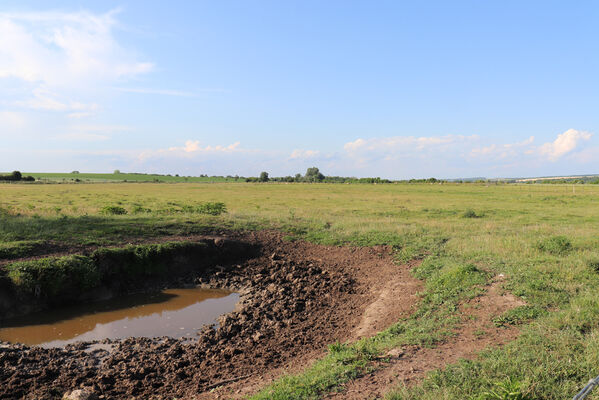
[{"x": 177, "y": 313}]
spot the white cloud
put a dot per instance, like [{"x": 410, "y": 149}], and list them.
[
  {"x": 192, "y": 149},
  {"x": 44, "y": 99},
  {"x": 91, "y": 132},
  {"x": 83, "y": 136},
  {"x": 62, "y": 49},
  {"x": 164, "y": 92},
  {"x": 402, "y": 143},
  {"x": 11, "y": 120},
  {"x": 502, "y": 151},
  {"x": 303, "y": 154},
  {"x": 193, "y": 146},
  {"x": 563, "y": 144},
  {"x": 60, "y": 56}
]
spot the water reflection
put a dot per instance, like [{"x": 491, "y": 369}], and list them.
[{"x": 173, "y": 312}]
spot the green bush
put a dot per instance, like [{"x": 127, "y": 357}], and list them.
[
  {"x": 593, "y": 264},
  {"x": 470, "y": 213},
  {"x": 214, "y": 208},
  {"x": 113, "y": 210},
  {"x": 137, "y": 209},
  {"x": 557, "y": 245}
]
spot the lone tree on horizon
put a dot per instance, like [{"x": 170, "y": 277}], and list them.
[
  {"x": 313, "y": 175},
  {"x": 264, "y": 177}
]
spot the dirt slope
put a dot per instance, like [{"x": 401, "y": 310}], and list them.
[{"x": 296, "y": 299}]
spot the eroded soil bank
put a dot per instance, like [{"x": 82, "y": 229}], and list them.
[{"x": 296, "y": 298}]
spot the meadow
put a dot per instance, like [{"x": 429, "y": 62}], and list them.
[
  {"x": 117, "y": 176},
  {"x": 542, "y": 238}
]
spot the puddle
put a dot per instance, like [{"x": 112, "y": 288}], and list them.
[{"x": 176, "y": 313}]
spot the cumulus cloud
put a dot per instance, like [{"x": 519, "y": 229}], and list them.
[
  {"x": 400, "y": 143},
  {"x": 61, "y": 49},
  {"x": 502, "y": 151},
  {"x": 191, "y": 149},
  {"x": 564, "y": 143},
  {"x": 57, "y": 56},
  {"x": 303, "y": 154},
  {"x": 193, "y": 146}
]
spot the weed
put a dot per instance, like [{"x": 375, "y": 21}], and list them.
[
  {"x": 507, "y": 390},
  {"x": 470, "y": 213},
  {"x": 593, "y": 264},
  {"x": 113, "y": 210},
  {"x": 138, "y": 209},
  {"x": 556, "y": 245},
  {"x": 517, "y": 316}
]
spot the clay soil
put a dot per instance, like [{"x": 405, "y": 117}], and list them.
[{"x": 296, "y": 298}]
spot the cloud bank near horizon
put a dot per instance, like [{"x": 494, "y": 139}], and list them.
[{"x": 395, "y": 157}]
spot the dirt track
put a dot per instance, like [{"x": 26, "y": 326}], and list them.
[{"x": 296, "y": 299}]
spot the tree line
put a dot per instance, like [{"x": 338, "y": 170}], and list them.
[
  {"x": 313, "y": 174},
  {"x": 16, "y": 176}
]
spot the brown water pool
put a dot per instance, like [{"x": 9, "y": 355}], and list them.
[{"x": 176, "y": 313}]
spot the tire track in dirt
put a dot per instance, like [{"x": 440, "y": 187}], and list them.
[{"x": 410, "y": 364}]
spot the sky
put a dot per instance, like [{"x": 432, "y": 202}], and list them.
[{"x": 394, "y": 89}]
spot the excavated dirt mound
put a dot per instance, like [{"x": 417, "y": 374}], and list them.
[{"x": 296, "y": 298}]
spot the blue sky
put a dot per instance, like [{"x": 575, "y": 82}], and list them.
[{"x": 357, "y": 88}]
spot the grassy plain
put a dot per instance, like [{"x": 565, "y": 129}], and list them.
[
  {"x": 123, "y": 177},
  {"x": 543, "y": 238}
]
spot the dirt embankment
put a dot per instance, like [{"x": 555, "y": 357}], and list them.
[
  {"x": 296, "y": 299},
  {"x": 38, "y": 284}
]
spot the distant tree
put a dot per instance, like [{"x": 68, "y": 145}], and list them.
[
  {"x": 313, "y": 175},
  {"x": 263, "y": 176},
  {"x": 298, "y": 177},
  {"x": 75, "y": 172},
  {"x": 116, "y": 171},
  {"x": 16, "y": 176}
]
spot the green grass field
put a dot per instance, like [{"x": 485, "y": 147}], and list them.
[
  {"x": 543, "y": 238},
  {"x": 60, "y": 177}
]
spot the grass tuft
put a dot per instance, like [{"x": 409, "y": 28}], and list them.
[{"x": 556, "y": 245}]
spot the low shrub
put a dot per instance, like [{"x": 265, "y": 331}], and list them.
[
  {"x": 137, "y": 209},
  {"x": 113, "y": 210},
  {"x": 593, "y": 264},
  {"x": 209, "y": 208},
  {"x": 470, "y": 213},
  {"x": 557, "y": 245},
  {"x": 212, "y": 208}
]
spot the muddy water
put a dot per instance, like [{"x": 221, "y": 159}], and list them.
[{"x": 174, "y": 312}]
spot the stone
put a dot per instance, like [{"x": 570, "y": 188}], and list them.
[{"x": 80, "y": 394}]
